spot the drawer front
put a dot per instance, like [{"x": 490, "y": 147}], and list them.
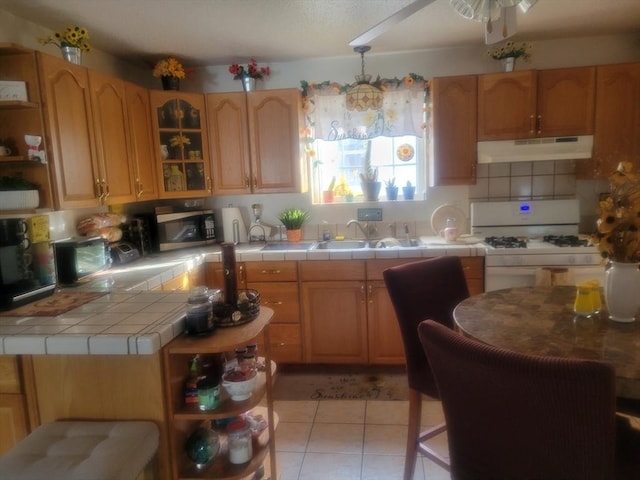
[
  {"x": 376, "y": 267},
  {"x": 271, "y": 271},
  {"x": 321, "y": 270},
  {"x": 282, "y": 297}
]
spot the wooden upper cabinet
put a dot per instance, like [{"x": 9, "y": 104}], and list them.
[
  {"x": 69, "y": 123},
  {"x": 274, "y": 123},
  {"x": 230, "y": 156},
  {"x": 141, "y": 137},
  {"x": 454, "y": 101},
  {"x": 111, "y": 123},
  {"x": 506, "y": 105},
  {"x": 617, "y": 120},
  {"x": 255, "y": 141},
  {"x": 566, "y": 102},
  {"x": 181, "y": 146},
  {"x": 527, "y": 104}
]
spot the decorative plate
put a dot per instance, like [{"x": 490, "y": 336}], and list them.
[
  {"x": 442, "y": 213},
  {"x": 405, "y": 152}
]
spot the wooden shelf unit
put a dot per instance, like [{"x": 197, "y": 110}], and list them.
[{"x": 183, "y": 419}]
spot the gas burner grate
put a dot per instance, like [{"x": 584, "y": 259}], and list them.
[
  {"x": 506, "y": 242},
  {"x": 565, "y": 240}
]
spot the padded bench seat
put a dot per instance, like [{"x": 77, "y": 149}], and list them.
[{"x": 82, "y": 450}]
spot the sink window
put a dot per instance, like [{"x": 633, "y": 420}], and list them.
[{"x": 339, "y": 134}]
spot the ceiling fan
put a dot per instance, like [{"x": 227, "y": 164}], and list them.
[{"x": 499, "y": 17}]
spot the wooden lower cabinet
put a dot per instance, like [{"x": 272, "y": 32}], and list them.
[
  {"x": 331, "y": 311},
  {"x": 13, "y": 409},
  {"x": 474, "y": 273}
]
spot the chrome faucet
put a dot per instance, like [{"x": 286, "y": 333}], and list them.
[{"x": 364, "y": 230}]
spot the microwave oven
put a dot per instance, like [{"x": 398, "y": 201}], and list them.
[
  {"x": 184, "y": 229},
  {"x": 80, "y": 257}
]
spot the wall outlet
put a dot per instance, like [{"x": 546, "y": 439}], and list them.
[{"x": 369, "y": 214}]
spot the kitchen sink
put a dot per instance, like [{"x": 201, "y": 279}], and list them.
[
  {"x": 288, "y": 246},
  {"x": 398, "y": 243},
  {"x": 342, "y": 245}
]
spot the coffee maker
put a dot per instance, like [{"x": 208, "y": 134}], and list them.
[{"x": 27, "y": 267}]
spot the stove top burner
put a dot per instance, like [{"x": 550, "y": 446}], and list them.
[
  {"x": 506, "y": 242},
  {"x": 565, "y": 240}
]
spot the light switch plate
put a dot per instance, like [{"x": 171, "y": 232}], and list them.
[{"x": 369, "y": 214}]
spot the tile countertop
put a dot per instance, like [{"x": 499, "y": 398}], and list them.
[{"x": 130, "y": 319}]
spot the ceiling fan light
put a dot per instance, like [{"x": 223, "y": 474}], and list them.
[
  {"x": 525, "y": 5},
  {"x": 478, "y": 10}
]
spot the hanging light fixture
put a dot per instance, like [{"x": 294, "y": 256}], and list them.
[
  {"x": 492, "y": 11},
  {"x": 363, "y": 96}
]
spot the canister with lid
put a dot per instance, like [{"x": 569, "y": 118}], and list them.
[
  {"x": 239, "y": 438},
  {"x": 199, "y": 317}
]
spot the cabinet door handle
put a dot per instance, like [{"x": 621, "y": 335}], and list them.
[
  {"x": 255, "y": 181},
  {"x": 247, "y": 182},
  {"x": 275, "y": 302},
  {"x": 106, "y": 189},
  {"x": 370, "y": 293},
  {"x": 242, "y": 274},
  {"x": 209, "y": 186},
  {"x": 532, "y": 124},
  {"x": 271, "y": 272},
  {"x": 363, "y": 295},
  {"x": 99, "y": 190},
  {"x": 539, "y": 124}
]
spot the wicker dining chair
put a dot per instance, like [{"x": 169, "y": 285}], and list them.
[
  {"x": 520, "y": 417},
  {"x": 426, "y": 289}
]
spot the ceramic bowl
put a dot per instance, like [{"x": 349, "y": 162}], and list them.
[{"x": 237, "y": 389}]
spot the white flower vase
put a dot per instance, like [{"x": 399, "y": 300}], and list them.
[
  {"x": 508, "y": 64},
  {"x": 622, "y": 291}
]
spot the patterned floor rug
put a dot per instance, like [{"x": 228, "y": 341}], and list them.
[{"x": 340, "y": 383}]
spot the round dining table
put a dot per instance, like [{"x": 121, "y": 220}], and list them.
[{"x": 541, "y": 321}]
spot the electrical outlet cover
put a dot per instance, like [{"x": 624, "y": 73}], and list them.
[{"x": 369, "y": 214}]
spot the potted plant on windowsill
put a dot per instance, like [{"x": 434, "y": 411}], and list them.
[
  {"x": 369, "y": 178},
  {"x": 392, "y": 189},
  {"x": 293, "y": 219},
  {"x": 408, "y": 191}
]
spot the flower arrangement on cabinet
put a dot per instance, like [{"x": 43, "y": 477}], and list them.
[
  {"x": 511, "y": 49},
  {"x": 71, "y": 37},
  {"x": 618, "y": 235},
  {"x": 169, "y": 67},
  {"x": 251, "y": 70}
]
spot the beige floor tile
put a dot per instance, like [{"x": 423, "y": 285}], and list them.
[
  {"x": 336, "y": 438},
  {"x": 432, "y": 413},
  {"x": 439, "y": 444},
  {"x": 292, "y": 437},
  {"x": 296, "y": 411},
  {"x": 329, "y": 466},
  {"x": 341, "y": 411},
  {"x": 289, "y": 465},
  {"x": 387, "y": 467},
  {"x": 385, "y": 439},
  {"x": 433, "y": 471},
  {"x": 387, "y": 412}
]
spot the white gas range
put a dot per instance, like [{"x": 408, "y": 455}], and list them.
[{"x": 534, "y": 242}]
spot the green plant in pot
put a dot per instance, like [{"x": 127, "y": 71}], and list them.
[
  {"x": 369, "y": 178},
  {"x": 392, "y": 189},
  {"x": 408, "y": 191},
  {"x": 293, "y": 219}
]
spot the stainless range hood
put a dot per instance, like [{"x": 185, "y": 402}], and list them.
[{"x": 535, "y": 149}]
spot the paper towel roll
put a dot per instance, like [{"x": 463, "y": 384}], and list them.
[{"x": 232, "y": 216}]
